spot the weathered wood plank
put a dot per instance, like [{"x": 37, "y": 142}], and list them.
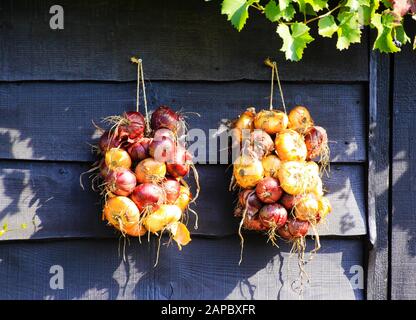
[
  {"x": 49, "y": 195},
  {"x": 52, "y": 121},
  {"x": 204, "y": 272},
  {"x": 403, "y": 241},
  {"x": 90, "y": 270},
  {"x": 378, "y": 177},
  {"x": 206, "y": 269},
  {"x": 175, "y": 40}
]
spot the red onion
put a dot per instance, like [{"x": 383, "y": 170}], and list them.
[
  {"x": 261, "y": 143},
  {"x": 284, "y": 232},
  {"x": 316, "y": 141},
  {"x": 121, "y": 181},
  {"x": 298, "y": 228},
  {"x": 289, "y": 201},
  {"x": 179, "y": 165},
  {"x": 253, "y": 204},
  {"x": 172, "y": 189},
  {"x": 165, "y": 117},
  {"x": 147, "y": 195},
  {"x": 139, "y": 150},
  {"x": 268, "y": 190},
  {"x": 162, "y": 150},
  {"x": 132, "y": 126},
  {"x": 273, "y": 215},
  {"x": 163, "y": 132},
  {"x": 108, "y": 141},
  {"x": 253, "y": 223}
]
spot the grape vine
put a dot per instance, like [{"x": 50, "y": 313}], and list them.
[{"x": 345, "y": 18}]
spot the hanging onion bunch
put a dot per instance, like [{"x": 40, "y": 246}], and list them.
[
  {"x": 280, "y": 190},
  {"x": 280, "y": 187},
  {"x": 141, "y": 174}
]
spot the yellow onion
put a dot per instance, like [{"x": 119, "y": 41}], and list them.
[
  {"x": 324, "y": 207},
  {"x": 290, "y": 146},
  {"x": 121, "y": 212},
  {"x": 300, "y": 119},
  {"x": 247, "y": 171},
  {"x": 271, "y": 165},
  {"x": 306, "y": 209},
  {"x": 115, "y": 158},
  {"x": 291, "y": 175},
  {"x": 160, "y": 218},
  {"x": 271, "y": 121},
  {"x": 184, "y": 198}
]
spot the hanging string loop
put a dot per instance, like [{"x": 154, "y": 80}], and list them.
[
  {"x": 140, "y": 78},
  {"x": 273, "y": 66}
]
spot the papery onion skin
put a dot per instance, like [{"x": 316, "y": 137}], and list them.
[
  {"x": 108, "y": 141},
  {"x": 172, "y": 189},
  {"x": 271, "y": 121},
  {"x": 132, "y": 127},
  {"x": 271, "y": 165},
  {"x": 150, "y": 170},
  {"x": 249, "y": 201},
  {"x": 139, "y": 150},
  {"x": 115, "y": 158},
  {"x": 300, "y": 119},
  {"x": 316, "y": 141},
  {"x": 165, "y": 117},
  {"x": 290, "y": 146},
  {"x": 273, "y": 215},
  {"x": 247, "y": 171},
  {"x": 121, "y": 181},
  {"x": 298, "y": 228},
  {"x": 121, "y": 212},
  {"x": 268, "y": 190},
  {"x": 148, "y": 196}
]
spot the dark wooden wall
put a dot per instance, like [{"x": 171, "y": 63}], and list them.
[{"x": 53, "y": 83}]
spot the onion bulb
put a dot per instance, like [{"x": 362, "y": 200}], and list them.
[
  {"x": 150, "y": 170},
  {"x": 292, "y": 177},
  {"x": 300, "y": 119},
  {"x": 160, "y": 218},
  {"x": 115, "y": 158},
  {"x": 307, "y": 207},
  {"x": 247, "y": 171},
  {"x": 121, "y": 212},
  {"x": 246, "y": 120},
  {"x": 290, "y": 146},
  {"x": 184, "y": 198},
  {"x": 271, "y": 121},
  {"x": 271, "y": 165}
]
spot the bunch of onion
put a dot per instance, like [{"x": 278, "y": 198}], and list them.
[
  {"x": 279, "y": 184},
  {"x": 141, "y": 173}
]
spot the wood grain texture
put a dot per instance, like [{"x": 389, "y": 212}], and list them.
[
  {"x": 403, "y": 241},
  {"x": 205, "y": 272},
  {"x": 207, "y": 269},
  {"x": 48, "y": 198},
  {"x": 174, "y": 39},
  {"x": 52, "y": 121},
  {"x": 378, "y": 177},
  {"x": 91, "y": 270}
]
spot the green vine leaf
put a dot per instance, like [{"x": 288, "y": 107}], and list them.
[
  {"x": 355, "y": 5},
  {"x": 295, "y": 39},
  {"x": 384, "y": 23},
  {"x": 368, "y": 12},
  {"x": 327, "y": 26},
  {"x": 311, "y": 6},
  {"x": 401, "y": 35},
  {"x": 349, "y": 29},
  {"x": 237, "y": 11},
  {"x": 274, "y": 12}
]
